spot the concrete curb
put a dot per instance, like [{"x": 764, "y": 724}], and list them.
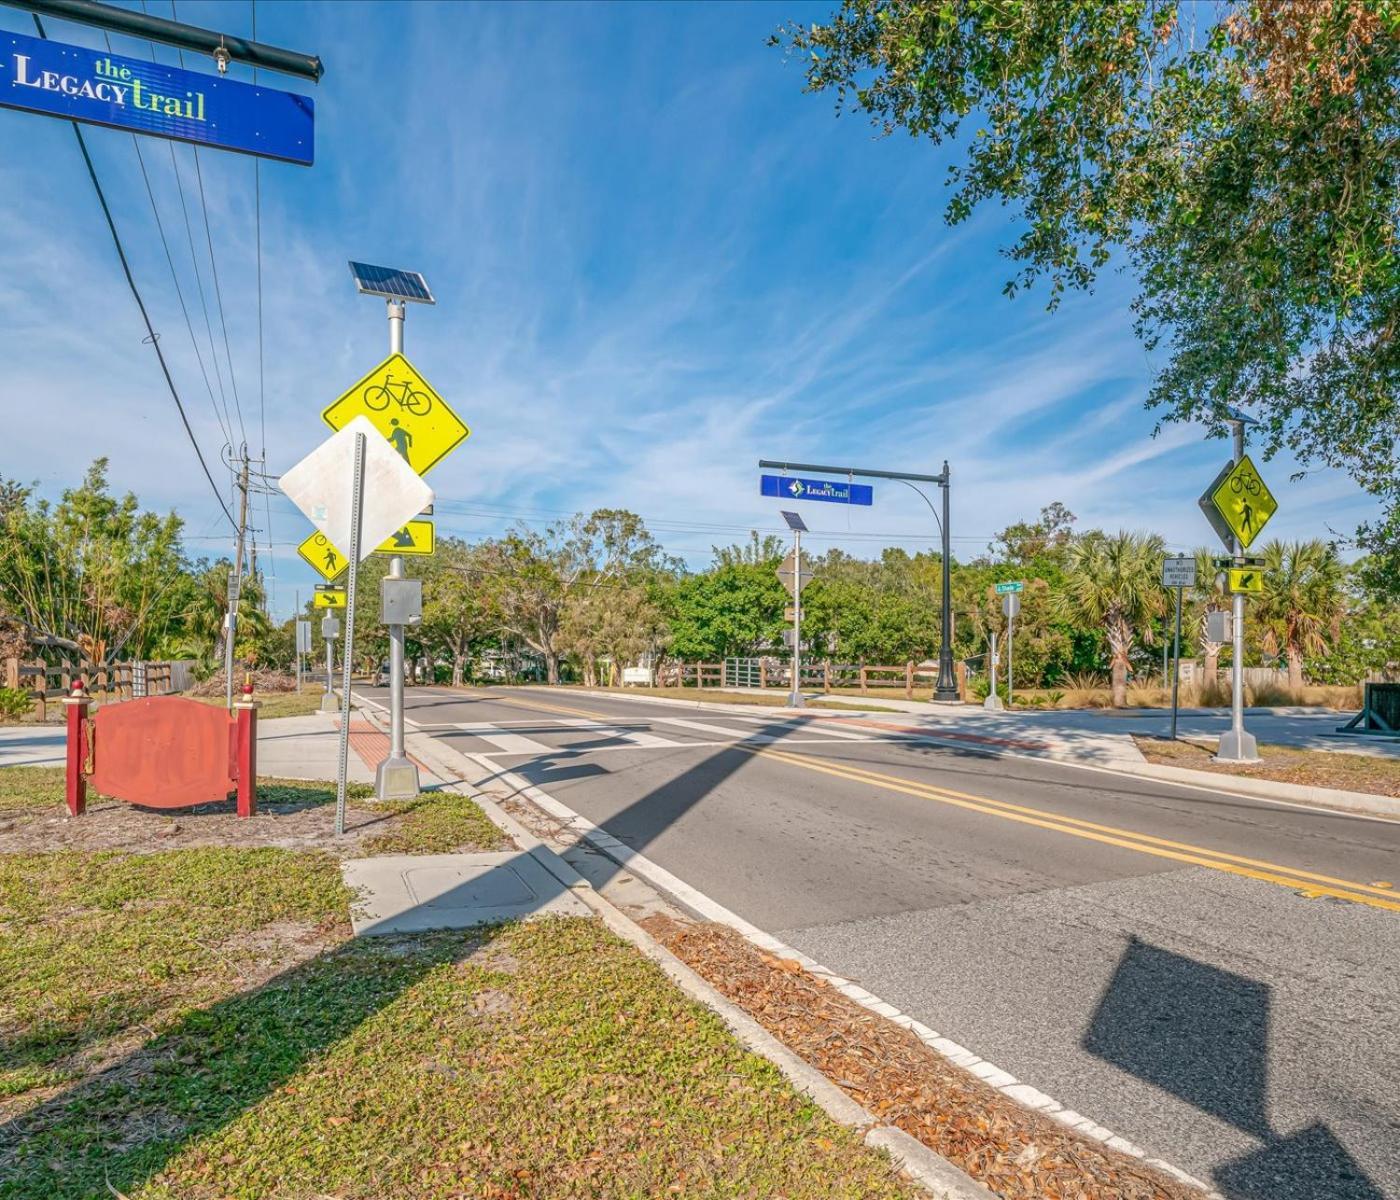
[
  {"x": 933, "y": 1173},
  {"x": 1268, "y": 789}
]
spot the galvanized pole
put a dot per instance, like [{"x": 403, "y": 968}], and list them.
[
  {"x": 795, "y": 699},
  {"x": 235, "y": 584},
  {"x": 397, "y": 776},
  {"x": 1010, "y": 639},
  {"x": 1176, "y": 661},
  {"x": 296, "y": 637},
  {"x": 946, "y": 689},
  {"x": 1237, "y": 744},
  {"x": 357, "y": 496}
]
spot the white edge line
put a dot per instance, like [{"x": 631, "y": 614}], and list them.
[{"x": 1006, "y": 1083}]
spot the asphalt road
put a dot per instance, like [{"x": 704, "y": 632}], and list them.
[{"x": 1212, "y": 977}]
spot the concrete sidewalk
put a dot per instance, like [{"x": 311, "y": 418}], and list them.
[{"x": 288, "y": 747}]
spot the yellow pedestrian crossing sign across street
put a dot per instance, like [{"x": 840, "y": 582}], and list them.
[
  {"x": 403, "y": 406},
  {"x": 1242, "y": 500},
  {"x": 325, "y": 559}
]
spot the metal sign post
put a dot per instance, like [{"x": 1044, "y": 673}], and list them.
[
  {"x": 1237, "y": 744},
  {"x": 1011, "y": 609},
  {"x": 791, "y": 578},
  {"x": 993, "y": 701},
  {"x": 357, "y": 499},
  {"x": 330, "y": 630},
  {"x": 1177, "y": 573}
]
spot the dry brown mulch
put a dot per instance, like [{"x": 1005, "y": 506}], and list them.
[{"x": 1019, "y": 1154}]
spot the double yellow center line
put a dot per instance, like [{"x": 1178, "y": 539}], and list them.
[{"x": 1308, "y": 882}]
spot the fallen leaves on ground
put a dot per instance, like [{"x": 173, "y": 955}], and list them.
[{"x": 1017, "y": 1153}]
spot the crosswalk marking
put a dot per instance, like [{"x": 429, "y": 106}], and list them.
[
  {"x": 727, "y": 730},
  {"x": 815, "y": 725},
  {"x": 631, "y": 736},
  {"x": 510, "y": 743}
]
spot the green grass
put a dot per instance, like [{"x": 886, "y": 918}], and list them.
[
  {"x": 94, "y": 946},
  {"x": 435, "y": 823},
  {"x": 24, "y": 789},
  {"x": 279, "y": 704},
  {"x": 547, "y": 1059}
]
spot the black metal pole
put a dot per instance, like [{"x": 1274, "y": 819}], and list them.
[
  {"x": 175, "y": 33},
  {"x": 947, "y": 687}
]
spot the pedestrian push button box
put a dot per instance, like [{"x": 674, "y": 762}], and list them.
[{"x": 401, "y": 601}]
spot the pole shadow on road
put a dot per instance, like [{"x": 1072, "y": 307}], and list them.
[{"x": 1201, "y": 1033}]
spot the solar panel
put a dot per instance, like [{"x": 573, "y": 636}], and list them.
[
  {"x": 391, "y": 283},
  {"x": 794, "y": 520}
]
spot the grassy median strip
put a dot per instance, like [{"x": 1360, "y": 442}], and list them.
[
  {"x": 1286, "y": 764},
  {"x": 542, "y": 1059}
]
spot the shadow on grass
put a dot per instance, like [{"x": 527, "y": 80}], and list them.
[{"x": 119, "y": 1129}]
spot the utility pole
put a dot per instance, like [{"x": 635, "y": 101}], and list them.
[
  {"x": 1236, "y": 743},
  {"x": 235, "y": 583}
]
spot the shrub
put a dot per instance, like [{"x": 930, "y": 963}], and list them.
[
  {"x": 14, "y": 703},
  {"x": 1269, "y": 695},
  {"x": 1212, "y": 693}
]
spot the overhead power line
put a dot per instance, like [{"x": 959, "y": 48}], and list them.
[{"x": 136, "y": 294}]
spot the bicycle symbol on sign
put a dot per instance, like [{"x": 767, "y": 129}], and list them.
[
  {"x": 377, "y": 398},
  {"x": 1245, "y": 482}
]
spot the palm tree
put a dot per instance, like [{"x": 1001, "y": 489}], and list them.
[
  {"x": 1209, "y": 594},
  {"x": 1114, "y": 582},
  {"x": 1302, "y": 604}
]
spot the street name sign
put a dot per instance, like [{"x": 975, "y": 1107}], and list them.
[
  {"x": 403, "y": 406},
  {"x": 1179, "y": 572},
  {"x": 328, "y": 562},
  {"x": 98, "y": 87},
  {"x": 1244, "y": 580},
  {"x": 1014, "y": 585},
  {"x": 1238, "y": 504},
  {"x": 815, "y": 489},
  {"x": 787, "y": 575},
  {"x": 321, "y": 485},
  {"x": 329, "y": 599}
]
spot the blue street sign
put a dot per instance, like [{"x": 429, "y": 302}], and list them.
[
  {"x": 816, "y": 489},
  {"x": 101, "y": 88}
]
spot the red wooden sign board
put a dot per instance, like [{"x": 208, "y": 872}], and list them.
[{"x": 162, "y": 752}]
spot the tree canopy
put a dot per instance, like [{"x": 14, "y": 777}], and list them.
[{"x": 1245, "y": 166}]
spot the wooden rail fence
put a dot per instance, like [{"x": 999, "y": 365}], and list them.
[{"x": 48, "y": 681}]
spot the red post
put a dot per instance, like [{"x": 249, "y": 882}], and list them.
[
  {"x": 75, "y": 782},
  {"x": 246, "y": 752}
]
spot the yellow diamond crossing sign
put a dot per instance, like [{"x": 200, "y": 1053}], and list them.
[
  {"x": 325, "y": 559},
  {"x": 1238, "y": 504},
  {"x": 402, "y": 405}
]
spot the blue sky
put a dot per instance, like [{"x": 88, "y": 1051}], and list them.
[{"x": 656, "y": 260}]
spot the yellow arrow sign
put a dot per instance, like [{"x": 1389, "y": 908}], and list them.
[
  {"x": 1245, "y": 579},
  {"x": 414, "y": 538},
  {"x": 327, "y": 561},
  {"x": 334, "y": 599},
  {"x": 1243, "y": 501},
  {"x": 402, "y": 405}
]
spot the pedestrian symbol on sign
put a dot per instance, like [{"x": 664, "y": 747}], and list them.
[{"x": 400, "y": 439}]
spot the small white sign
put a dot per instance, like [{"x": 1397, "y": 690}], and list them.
[
  {"x": 636, "y": 675},
  {"x": 1179, "y": 572},
  {"x": 320, "y": 485}
]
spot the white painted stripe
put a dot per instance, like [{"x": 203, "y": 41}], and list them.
[
  {"x": 509, "y": 743},
  {"x": 739, "y": 735},
  {"x": 816, "y": 725},
  {"x": 632, "y": 737}
]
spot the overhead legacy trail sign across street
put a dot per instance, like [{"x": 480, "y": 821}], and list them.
[{"x": 403, "y": 406}]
